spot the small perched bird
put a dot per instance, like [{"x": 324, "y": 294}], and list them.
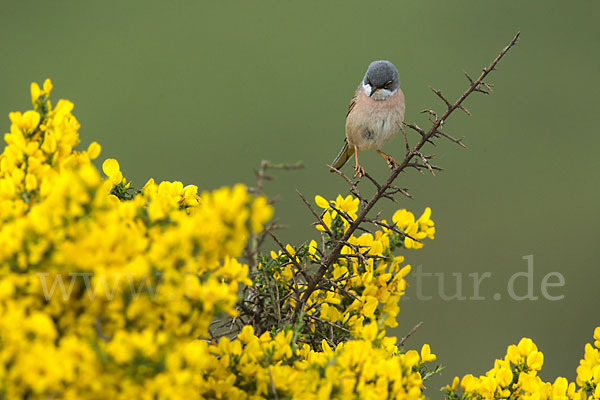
[{"x": 375, "y": 114}]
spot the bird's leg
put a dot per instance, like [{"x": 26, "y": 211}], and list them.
[
  {"x": 360, "y": 171},
  {"x": 390, "y": 160}
]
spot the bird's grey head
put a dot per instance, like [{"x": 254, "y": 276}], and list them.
[{"x": 381, "y": 80}]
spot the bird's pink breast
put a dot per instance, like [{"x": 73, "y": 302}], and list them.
[{"x": 372, "y": 123}]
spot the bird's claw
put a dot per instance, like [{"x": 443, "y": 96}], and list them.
[
  {"x": 392, "y": 163},
  {"x": 360, "y": 171}
]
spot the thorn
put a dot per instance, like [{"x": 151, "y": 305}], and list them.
[
  {"x": 487, "y": 86},
  {"x": 430, "y": 111},
  {"x": 441, "y": 96},
  {"x": 469, "y": 78},
  {"x": 415, "y": 128},
  {"x": 457, "y": 141},
  {"x": 465, "y": 110}
]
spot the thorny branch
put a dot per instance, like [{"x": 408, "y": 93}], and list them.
[
  {"x": 477, "y": 85},
  {"x": 273, "y": 302}
]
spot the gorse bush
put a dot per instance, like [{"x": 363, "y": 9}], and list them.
[
  {"x": 107, "y": 292},
  {"x": 515, "y": 377},
  {"x": 101, "y": 296},
  {"x": 162, "y": 292}
]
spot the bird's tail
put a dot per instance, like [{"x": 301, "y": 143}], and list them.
[{"x": 346, "y": 152}]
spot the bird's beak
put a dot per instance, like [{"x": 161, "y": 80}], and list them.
[{"x": 373, "y": 90}]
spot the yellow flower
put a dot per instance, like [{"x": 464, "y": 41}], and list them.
[
  {"x": 327, "y": 220},
  {"x": 504, "y": 374},
  {"x": 262, "y": 211},
  {"x": 282, "y": 345},
  {"x": 110, "y": 167},
  {"x": 415, "y": 230},
  {"x": 559, "y": 388},
  {"x": 321, "y": 202},
  {"x": 513, "y": 354},
  {"x": 50, "y": 144},
  {"x": 93, "y": 150},
  {"x": 247, "y": 334},
  {"x": 426, "y": 355},
  {"x": 348, "y": 204},
  {"x": 403, "y": 218},
  {"x": 412, "y": 358},
  {"x": 535, "y": 360},
  {"x": 369, "y": 332},
  {"x": 47, "y": 86},
  {"x": 526, "y": 346},
  {"x": 426, "y": 225},
  {"x": 454, "y": 385},
  {"x": 190, "y": 197},
  {"x": 26, "y": 122},
  {"x": 370, "y": 305},
  {"x": 584, "y": 374},
  {"x": 35, "y": 92},
  {"x": 31, "y": 182}
]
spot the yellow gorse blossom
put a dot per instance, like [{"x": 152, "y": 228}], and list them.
[
  {"x": 356, "y": 369},
  {"x": 347, "y": 205},
  {"x": 111, "y": 168},
  {"x": 418, "y": 229},
  {"x": 516, "y": 377},
  {"x": 102, "y": 298},
  {"x": 377, "y": 279}
]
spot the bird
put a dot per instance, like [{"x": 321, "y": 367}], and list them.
[{"x": 374, "y": 116}]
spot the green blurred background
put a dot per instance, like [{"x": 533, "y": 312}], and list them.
[{"x": 203, "y": 91}]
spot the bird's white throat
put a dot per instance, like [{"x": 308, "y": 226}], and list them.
[{"x": 380, "y": 94}]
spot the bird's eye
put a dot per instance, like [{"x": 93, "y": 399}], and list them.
[{"x": 387, "y": 84}]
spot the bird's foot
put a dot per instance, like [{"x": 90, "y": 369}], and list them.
[
  {"x": 360, "y": 171},
  {"x": 392, "y": 163},
  {"x": 389, "y": 159}
]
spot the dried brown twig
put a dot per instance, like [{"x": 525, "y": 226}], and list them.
[
  {"x": 409, "y": 334},
  {"x": 261, "y": 173}
]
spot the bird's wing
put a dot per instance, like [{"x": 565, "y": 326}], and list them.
[
  {"x": 351, "y": 105},
  {"x": 347, "y": 151},
  {"x": 354, "y": 99}
]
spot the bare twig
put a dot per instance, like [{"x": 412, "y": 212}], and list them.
[
  {"x": 275, "y": 395},
  {"x": 261, "y": 174},
  {"x": 406, "y": 144},
  {"x": 392, "y": 228},
  {"x": 341, "y": 289},
  {"x": 457, "y": 141},
  {"x": 425, "y": 162},
  {"x": 341, "y": 212},
  {"x": 441, "y": 96},
  {"x": 328, "y": 323},
  {"x": 416, "y": 127},
  {"x": 409, "y": 334},
  {"x": 395, "y": 189},
  {"x": 352, "y": 185},
  {"x": 317, "y": 216}
]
